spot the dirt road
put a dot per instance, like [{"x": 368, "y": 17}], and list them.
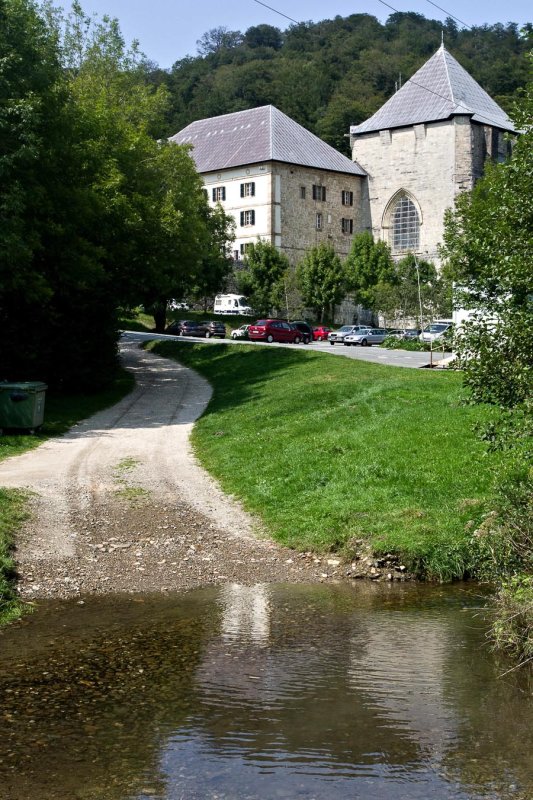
[{"x": 119, "y": 503}]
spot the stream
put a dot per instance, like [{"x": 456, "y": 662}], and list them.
[{"x": 365, "y": 691}]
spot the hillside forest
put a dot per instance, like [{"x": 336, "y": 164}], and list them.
[{"x": 335, "y": 73}]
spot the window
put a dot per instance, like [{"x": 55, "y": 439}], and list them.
[
  {"x": 245, "y": 247},
  {"x": 248, "y": 189},
  {"x": 347, "y": 225},
  {"x": 219, "y": 194},
  {"x": 236, "y": 255},
  {"x": 319, "y": 222},
  {"x": 347, "y": 198},
  {"x": 247, "y": 218},
  {"x": 319, "y": 192},
  {"x": 302, "y": 192},
  {"x": 405, "y": 226}
]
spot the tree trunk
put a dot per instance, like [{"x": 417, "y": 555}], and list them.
[{"x": 160, "y": 315}]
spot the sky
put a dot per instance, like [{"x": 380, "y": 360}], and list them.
[{"x": 168, "y": 29}]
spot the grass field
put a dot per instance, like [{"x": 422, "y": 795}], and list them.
[
  {"x": 327, "y": 450},
  {"x": 61, "y": 412}
]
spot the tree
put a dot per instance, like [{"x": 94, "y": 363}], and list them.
[
  {"x": 265, "y": 267},
  {"x": 218, "y": 39},
  {"x": 488, "y": 249},
  {"x": 487, "y": 244},
  {"x": 321, "y": 279},
  {"x": 415, "y": 291},
  {"x": 52, "y": 281},
  {"x": 368, "y": 265},
  {"x": 216, "y": 263},
  {"x": 263, "y": 36}
]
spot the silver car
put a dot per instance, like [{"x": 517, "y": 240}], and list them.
[
  {"x": 366, "y": 337},
  {"x": 337, "y": 337},
  {"x": 434, "y": 331}
]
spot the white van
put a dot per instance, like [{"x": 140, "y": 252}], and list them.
[{"x": 232, "y": 304}]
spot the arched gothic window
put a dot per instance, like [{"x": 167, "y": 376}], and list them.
[{"x": 404, "y": 226}]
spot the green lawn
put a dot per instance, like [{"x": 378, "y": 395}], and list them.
[
  {"x": 61, "y": 412},
  {"x": 327, "y": 450}
]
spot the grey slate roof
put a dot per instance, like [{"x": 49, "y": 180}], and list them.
[
  {"x": 259, "y": 134},
  {"x": 440, "y": 89}
]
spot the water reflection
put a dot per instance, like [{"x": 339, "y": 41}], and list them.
[{"x": 262, "y": 692}]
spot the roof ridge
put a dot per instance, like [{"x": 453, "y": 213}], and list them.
[{"x": 446, "y": 70}]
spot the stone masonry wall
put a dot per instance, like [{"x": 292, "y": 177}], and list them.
[
  {"x": 297, "y": 215},
  {"x": 420, "y": 160}
]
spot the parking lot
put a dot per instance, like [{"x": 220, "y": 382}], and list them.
[{"x": 377, "y": 355}]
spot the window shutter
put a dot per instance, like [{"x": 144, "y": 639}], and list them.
[
  {"x": 214, "y": 195},
  {"x": 242, "y": 189},
  {"x": 252, "y": 217},
  {"x": 252, "y": 185},
  {"x": 242, "y": 218}
]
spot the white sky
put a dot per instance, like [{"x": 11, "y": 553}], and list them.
[{"x": 168, "y": 29}]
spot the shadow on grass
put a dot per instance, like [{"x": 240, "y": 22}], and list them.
[{"x": 239, "y": 371}]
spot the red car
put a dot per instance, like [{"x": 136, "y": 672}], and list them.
[
  {"x": 320, "y": 334},
  {"x": 274, "y": 330}
]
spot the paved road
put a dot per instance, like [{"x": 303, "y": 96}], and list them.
[{"x": 377, "y": 355}]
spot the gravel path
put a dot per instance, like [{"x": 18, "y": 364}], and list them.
[{"x": 120, "y": 504}]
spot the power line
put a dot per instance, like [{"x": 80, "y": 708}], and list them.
[
  {"x": 410, "y": 80},
  {"x": 388, "y": 6},
  {"x": 450, "y": 15},
  {"x": 276, "y": 11}
]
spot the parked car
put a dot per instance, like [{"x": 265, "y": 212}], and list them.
[
  {"x": 435, "y": 331},
  {"x": 337, "y": 337},
  {"x": 305, "y": 329},
  {"x": 214, "y": 328},
  {"x": 274, "y": 330},
  {"x": 175, "y": 327},
  {"x": 405, "y": 333},
  {"x": 321, "y": 333},
  {"x": 190, "y": 327},
  {"x": 366, "y": 338},
  {"x": 240, "y": 333}
]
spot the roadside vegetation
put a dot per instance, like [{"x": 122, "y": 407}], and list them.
[
  {"x": 488, "y": 250},
  {"x": 327, "y": 451},
  {"x": 62, "y": 411}
]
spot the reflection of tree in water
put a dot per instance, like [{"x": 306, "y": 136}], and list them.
[
  {"x": 86, "y": 717},
  {"x": 291, "y": 688},
  {"x": 337, "y": 681},
  {"x": 494, "y": 746},
  {"x": 325, "y": 681}
]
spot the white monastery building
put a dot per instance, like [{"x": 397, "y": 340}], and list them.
[{"x": 281, "y": 183}]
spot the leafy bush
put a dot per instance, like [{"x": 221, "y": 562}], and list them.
[{"x": 392, "y": 343}]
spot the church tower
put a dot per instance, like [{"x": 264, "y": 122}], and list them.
[{"x": 426, "y": 144}]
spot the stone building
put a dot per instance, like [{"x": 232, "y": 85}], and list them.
[
  {"x": 426, "y": 144},
  {"x": 280, "y": 182}
]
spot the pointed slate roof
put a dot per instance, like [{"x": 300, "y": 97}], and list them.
[
  {"x": 440, "y": 89},
  {"x": 259, "y": 134}
]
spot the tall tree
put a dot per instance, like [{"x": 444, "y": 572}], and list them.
[
  {"x": 265, "y": 267},
  {"x": 368, "y": 265},
  {"x": 321, "y": 279}
]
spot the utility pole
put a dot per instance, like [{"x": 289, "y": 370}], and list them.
[{"x": 419, "y": 292}]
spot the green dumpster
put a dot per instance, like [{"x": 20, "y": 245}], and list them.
[{"x": 22, "y": 404}]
